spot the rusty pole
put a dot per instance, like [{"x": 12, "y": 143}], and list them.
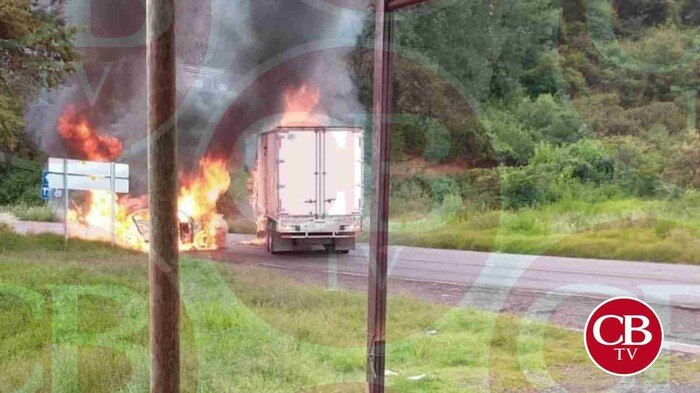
[
  {"x": 379, "y": 212},
  {"x": 162, "y": 183}
]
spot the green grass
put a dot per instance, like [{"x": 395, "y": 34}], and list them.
[
  {"x": 76, "y": 317},
  {"x": 26, "y": 212},
  {"x": 624, "y": 229}
]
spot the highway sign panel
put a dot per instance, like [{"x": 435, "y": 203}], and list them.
[
  {"x": 88, "y": 183},
  {"x": 88, "y": 168}
]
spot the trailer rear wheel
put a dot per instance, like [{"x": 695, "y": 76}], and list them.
[
  {"x": 271, "y": 238},
  {"x": 331, "y": 249}
]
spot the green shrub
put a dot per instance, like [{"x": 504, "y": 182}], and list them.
[
  {"x": 605, "y": 115},
  {"x": 588, "y": 162},
  {"x": 512, "y": 142},
  {"x": 528, "y": 186},
  {"x": 410, "y": 198},
  {"x": 552, "y": 120},
  {"x": 441, "y": 186},
  {"x": 20, "y": 182},
  {"x": 480, "y": 189},
  {"x": 516, "y": 127},
  {"x": 26, "y": 212}
]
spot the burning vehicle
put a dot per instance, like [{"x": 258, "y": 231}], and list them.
[
  {"x": 193, "y": 233},
  {"x": 201, "y": 227}
]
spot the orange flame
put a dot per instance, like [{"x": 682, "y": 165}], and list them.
[
  {"x": 83, "y": 140},
  {"x": 199, "y": 194},
  {"x": 197, "y": 197},
  {"x": 197, "y": 200},
  {"x": 299, "y": 105}
]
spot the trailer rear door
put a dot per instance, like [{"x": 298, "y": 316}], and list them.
[
  {"x": 298, "y": 169},
  {"x": 341, "y": 190}
]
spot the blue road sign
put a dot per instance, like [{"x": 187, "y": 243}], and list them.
[
  {"x": 45, "y": 179},
  {"x": 45, "y": 190}
]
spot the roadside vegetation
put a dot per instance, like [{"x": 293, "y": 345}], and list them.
[
  {"x": 544, "y": 135},
  {"x": 20, "y": 187},
  {"x": 36, "y": 53},
  {"x": 25, "y": 212},
  {"x": 247, "y": 329},
  {"x": 582, "y": 221}
]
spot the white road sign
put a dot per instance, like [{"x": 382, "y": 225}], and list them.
[
  {"x": 88, "y": 168},
  {"x": 88, "y": 175},
  {"x": 88, "y": 183}
]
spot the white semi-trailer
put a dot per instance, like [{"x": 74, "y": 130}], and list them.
[{"x": 309, "y": 187}]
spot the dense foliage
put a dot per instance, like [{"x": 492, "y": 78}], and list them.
[
  {"x": 35, "y": 52},
  {"x": 545, "y": 100}
]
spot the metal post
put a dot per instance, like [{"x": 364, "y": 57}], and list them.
[
  {"x": 65, "y": 200},
  {"x": 112, "y": 195},
  {"x": 162, "y": 182},
  {"x": 379, "y": 212}
]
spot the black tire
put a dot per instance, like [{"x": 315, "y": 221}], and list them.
[
  {"x": 271, "y": 235},
  {"x": 268, "y": 240},
  {"x": 342, "y": 252}
]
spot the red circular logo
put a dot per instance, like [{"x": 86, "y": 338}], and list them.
[{"x": 623, "y": 336}]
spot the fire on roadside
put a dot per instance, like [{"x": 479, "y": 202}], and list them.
[
  {"x": 81, "y": 139},
  {"x": 299, "y": 106},
  {"x": 201, "y": 227}
]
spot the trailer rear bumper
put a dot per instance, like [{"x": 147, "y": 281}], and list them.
[
  {"x": 318, "y": 235},
  {"x": 280, "y": 242},
  {"x": 329, "y": 226},
  {"x": 301, "y": 234}
]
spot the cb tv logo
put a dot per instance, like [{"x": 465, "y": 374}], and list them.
[{"x": 623, "y": 336}]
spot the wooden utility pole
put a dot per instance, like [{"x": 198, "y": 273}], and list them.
[
  {"x": 162, "y": 183},
  {"x": 379, "y": 209}
]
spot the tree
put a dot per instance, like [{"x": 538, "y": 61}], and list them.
[
  {"x": 35, "y": 51},
  {"x": 451, "y": 56}
]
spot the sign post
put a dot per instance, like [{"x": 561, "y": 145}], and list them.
[
  {"x": 65, "y": 199},
  {"x": 113, "y": 202}
]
